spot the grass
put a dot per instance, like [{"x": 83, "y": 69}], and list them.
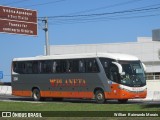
[{"x": 77, "y": 106}]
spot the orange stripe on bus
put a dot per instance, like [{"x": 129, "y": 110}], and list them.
[
  {"x": 67, "y": 94},
  {"x": 117, "y": 93},
  {"x": 122, "y": 94},
  {"x": 114, "y": 94},
  {"x": 22, "y": 93},
  {"x": 56, "y": 94}
]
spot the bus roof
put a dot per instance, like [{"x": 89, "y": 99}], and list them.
[{"x": 116, "y": 56}]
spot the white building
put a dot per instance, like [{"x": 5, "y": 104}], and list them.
[{"x": 147, "y": 49}]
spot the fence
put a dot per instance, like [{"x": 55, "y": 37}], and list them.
[
  {"x": 5, "y": 90},
  {"x": 153, "y": 77}
]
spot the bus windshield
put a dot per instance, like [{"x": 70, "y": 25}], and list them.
[{"x": 133, "y": 74}]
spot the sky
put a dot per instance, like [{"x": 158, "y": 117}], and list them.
[{"x": 79, "y": 22}]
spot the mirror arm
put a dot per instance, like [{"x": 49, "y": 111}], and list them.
[
  {"x": 119, "y": 67},
  {"x": 144, "y": 67}
]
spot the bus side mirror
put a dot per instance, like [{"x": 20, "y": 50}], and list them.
[
  {"x": 144, "y": 67},
  {"x": 123, "y": 73},
  {"x": 120, "y": 70}
]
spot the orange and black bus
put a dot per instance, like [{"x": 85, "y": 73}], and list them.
[{"x": 100, "y": 76}]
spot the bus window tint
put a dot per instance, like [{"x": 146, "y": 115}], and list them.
[
  {"x": 91, "y": 65},
  {"x": 19, "y": 67},
  {"x": 56, "y": 66},
  {"x": 69, "y": 66},
  {"x": 28, "y": 69},
  {"x": 61, "y": 66},
  {"x": 110, "y": 69},
  {"x": 72, "y": 66},
  {"x": 114, "y": 75},
  {"x": 75, "y": 67},
  {"x": 81, "y": 66},
  {"x": 35, "y": 67},
  {"x": 105, "y": 64},
  {"x": 46, "y": 66},
  {"x": 15, "y": 66}
]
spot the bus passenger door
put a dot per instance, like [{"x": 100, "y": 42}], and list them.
[{"x": 114, "y": 79}]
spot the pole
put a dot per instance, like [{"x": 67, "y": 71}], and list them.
[{"x": 46, "y": 36}]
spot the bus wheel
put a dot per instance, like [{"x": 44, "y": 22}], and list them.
[
  {"x": 122, "y": 100},
  {"x": 99, "y": 96},
  {"x": 36, "y": 95}
]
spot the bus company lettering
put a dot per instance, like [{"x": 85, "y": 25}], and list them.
[{"x": 67, "y": 82}]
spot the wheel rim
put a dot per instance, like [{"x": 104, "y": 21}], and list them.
[
  {"x": 100, "y": 96},
  {"x": 36, "y": 95}
]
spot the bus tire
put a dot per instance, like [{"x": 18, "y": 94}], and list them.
[
  {"x": 122, "y": 101},
  {"x": 99, "y": 96},
  {"x": 36, "y": 95}
]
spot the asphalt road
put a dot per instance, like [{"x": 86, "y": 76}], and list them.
[{"x": 12, "y": 98}]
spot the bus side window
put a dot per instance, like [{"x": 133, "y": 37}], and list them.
[
  {"x": 81, "y": 66},
  {"x": 58, "y": 67},
  {"x": 75, "y": 66},
  {"x": 19, "y": 67},
  {"x": 72, "y": 66},
  {"x": 35, "y": 67},
  {"x": 91, "y": 66},
  {"x": 28, "y": 69},
  {"x": 42, "y": 67},
  {"x": 54, "y": 67},
  {"x": 114, "y": 75},
  {"x": 69, "y": 66},
  {"x": 95, "y": 66},
  {"x": 49, "y": 66},
  {"x": 106, "y": 68},
  {"x": 61, "y": 66},
  {"x": 46, "y": 66},
  {"x": 105, "y": 63},
  {"x": 15, "y": 67}
]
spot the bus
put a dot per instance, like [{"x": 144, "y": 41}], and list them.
[{"x": 98, "y": 76}]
